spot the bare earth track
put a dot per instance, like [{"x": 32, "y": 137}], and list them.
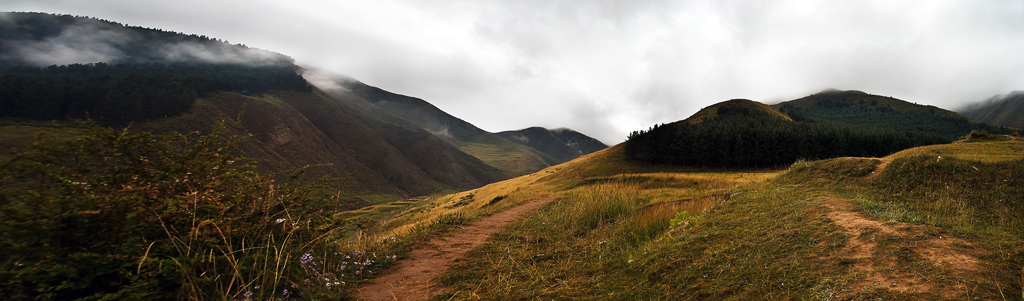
[
  {"x": 884, "y": 162},
  {"x": 412, "y": 278}
]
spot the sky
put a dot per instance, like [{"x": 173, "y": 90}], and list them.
[{"x": 608, "y": 67}]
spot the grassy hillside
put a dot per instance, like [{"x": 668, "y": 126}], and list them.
[
  {"x": 292, "y": 130},
  {"x": 922, "y": 228},
  {"x": 712, "y": 111},
  {"x": 1001, "y": 110},
  {"x": 543, "y": 140},
  {"x": 492, "y": 149}
]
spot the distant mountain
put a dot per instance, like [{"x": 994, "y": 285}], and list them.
[
  {"x": 1001, "y": 110},
  {"x": 550, "y": 143},
  {"x": 582, "y": 143},
  {"x": 491, "y": 148}
]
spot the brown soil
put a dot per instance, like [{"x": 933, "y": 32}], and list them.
[
  {"x": 884, "y": 162},
  {"x": 412, "y": 278},
  {"x": 880, "y": 270}
]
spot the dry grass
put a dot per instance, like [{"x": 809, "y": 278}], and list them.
[
  {"x": 995, "y": 151},
  {"x": 751, "y": 235}
]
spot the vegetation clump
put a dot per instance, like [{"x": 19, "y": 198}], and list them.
[{"x": 123, "y": 215}]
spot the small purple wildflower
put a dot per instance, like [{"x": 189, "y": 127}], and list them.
[
  {"x": 307, "y": 259},
  {"x": 284, "y": 292}
]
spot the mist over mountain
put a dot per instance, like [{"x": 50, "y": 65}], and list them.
[
  {"x": 40, "y": 39},
  {"x": 1002, "y": 110}
]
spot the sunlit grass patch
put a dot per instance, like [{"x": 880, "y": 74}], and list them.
[{"x": 988, "y": 151}]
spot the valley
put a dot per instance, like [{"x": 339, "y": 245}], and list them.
[{"x": 220, "y": 171}]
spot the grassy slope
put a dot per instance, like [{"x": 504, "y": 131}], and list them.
[
  {"x": 755, "y": 234},
  {"x": 292, "y": 130},
  {"x": 712, "y": 110},
  {"x": 543, "y": 140},
  {"x": 503, "y": 154},
  {"x": 16, "y": 138}
]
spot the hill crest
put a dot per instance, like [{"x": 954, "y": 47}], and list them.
[{"x": 713, "y": 110}]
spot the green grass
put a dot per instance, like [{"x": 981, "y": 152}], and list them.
[
  {"x": 515, "y": 161},
  {"x": 17, "y": 138},
  {"x": 380, "y": 198},
  {"x": 997, "y": 151}
]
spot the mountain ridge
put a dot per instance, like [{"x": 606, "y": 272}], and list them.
[{"x": 563, "y": 144}]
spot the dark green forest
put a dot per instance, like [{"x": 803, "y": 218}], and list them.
[
  {"x": 117, "y": 94},
  {"x": 741, "y": 137},
  {"x": 868, "y": 111}
]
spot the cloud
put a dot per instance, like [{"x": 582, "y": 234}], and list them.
[
  {"x": 82, "y": 42},
  {"x": 219, "y": 53}
]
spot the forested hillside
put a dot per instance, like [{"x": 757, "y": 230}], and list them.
[
  {"x": 739, "y": 133},
  {"x": 121, "y": 93},
  {"x": 861, "y": 110}
]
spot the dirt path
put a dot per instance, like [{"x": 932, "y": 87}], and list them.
[
  {"x": 882, "y": 270},
  {"x": 412, "y": 278},
  {"x": 879, "y": 168}
]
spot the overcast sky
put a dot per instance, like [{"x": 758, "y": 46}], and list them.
[{"x": 606, "y": 67}]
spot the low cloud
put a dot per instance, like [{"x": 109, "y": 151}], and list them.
[
  {"x": 220, "y": 53},
  {"x": 91, "y": 41},
  {"x": 82, "y": 42}
]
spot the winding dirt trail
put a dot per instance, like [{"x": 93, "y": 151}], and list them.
[
  {"x": 884, "y": 162},
  {"x": 412, "y": 278}
]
